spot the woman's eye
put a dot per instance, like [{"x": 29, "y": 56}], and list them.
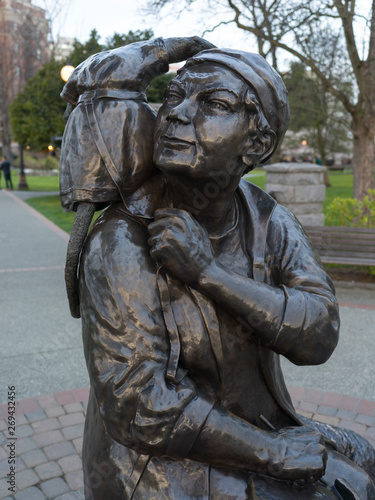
[
  {"x": 172, "y": 95},
  {"x": 218, "y": 105}
]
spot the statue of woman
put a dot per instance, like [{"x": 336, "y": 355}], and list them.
[{"x": 189, "y": 292}]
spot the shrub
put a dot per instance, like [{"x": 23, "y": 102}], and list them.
[
  {"x": 29, "y": 161},
  {"x": 352, "y": 212},
  {"x": 51, "y": 163}
]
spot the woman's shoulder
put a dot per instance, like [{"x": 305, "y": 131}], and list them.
[
  {"x": 116, "y": 238},
  {"x": 122, "y": 231},
  {"x": 116, "y": 267}
]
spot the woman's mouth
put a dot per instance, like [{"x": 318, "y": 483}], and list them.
[{"x": 176, "y": 143}]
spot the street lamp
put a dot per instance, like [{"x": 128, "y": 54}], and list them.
[{"x": 66, "y": 71}]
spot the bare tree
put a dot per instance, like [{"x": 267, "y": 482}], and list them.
[
  {"x": 294, "y": 27},
  {"x": 23, "y": 50}
]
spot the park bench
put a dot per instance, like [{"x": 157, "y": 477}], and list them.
[{"x": 343, "y": 245}]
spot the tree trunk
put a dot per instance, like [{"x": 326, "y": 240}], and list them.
[
  {"x": 363, "y": 157},
  {"x": 6, "y": 132},
  {"x": 322, "y": 153}
]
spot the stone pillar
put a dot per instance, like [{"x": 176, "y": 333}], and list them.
[{"x": 299, "y": 187}]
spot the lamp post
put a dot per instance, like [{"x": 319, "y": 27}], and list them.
[
  {"x": 22, "y": 184},
  {"x": 66, "y": 71}
]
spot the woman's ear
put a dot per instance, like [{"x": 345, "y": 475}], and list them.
[{"x": 261, "y": 146}]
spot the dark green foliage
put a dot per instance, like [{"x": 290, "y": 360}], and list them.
[
  {"x": 352, "y": 212},
  {"x": 320, "y": 115},
  {"x": 157, "y": 88},
  {"x": 36, "y": 113},
  {"x": 118, "y": 40},
  {"x": 82, "y": 51}
]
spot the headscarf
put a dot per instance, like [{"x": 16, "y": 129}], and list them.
[{"x": 261, "y": 78}]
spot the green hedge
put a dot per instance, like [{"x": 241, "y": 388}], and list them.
[{"x": 352, "y": 212}]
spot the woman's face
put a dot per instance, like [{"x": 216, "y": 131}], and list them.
[{"x": 202, "y": 126}]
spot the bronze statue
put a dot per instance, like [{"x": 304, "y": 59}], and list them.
[{"x": 190, "y": 287}]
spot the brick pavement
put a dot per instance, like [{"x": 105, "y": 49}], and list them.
[{"x": 49, "y": 433}]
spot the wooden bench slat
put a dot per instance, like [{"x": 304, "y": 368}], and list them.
[
  {"x": 347, "y": 261},
  {"x": 342, "y": 236},
  {"x": 343, "y": 245},
  {"x": 367, "y": 247},
  {"x": 340, "y": 229},
  {"x": 329, "y": 237},
  {"x": 352, "y": 255}
]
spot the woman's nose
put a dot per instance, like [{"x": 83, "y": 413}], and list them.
[{"x": 181, "y": 112}]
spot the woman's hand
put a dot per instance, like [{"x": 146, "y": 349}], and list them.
[
  {"x": 180, "y": 49},
  {"x": 180, "y": 244},
  {"x": 300, "y": 455}
]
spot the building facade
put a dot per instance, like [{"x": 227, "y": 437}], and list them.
[
  {"x": 63, "y": 48},
  {"x": 24, "y": 49}
]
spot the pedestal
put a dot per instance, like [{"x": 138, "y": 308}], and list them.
[{"x": 299, "y": 187}]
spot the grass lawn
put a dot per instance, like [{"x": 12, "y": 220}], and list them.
[
  {"x": 342, "y": 187},
  {"x": 36, "y": 182},
  {"x": 50, "y": 207}
]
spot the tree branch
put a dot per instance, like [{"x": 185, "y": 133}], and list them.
[
  {"x": 210, "y": 30},
  {"x": 347, "y": 16},
  {"x": 371, "y": 53},
  {"x": 306, "y": 60}
]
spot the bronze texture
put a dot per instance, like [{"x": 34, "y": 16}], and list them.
[{"x": 192, "y": 283}]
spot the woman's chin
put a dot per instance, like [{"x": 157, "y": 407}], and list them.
[{"x": 177, "y": 163}]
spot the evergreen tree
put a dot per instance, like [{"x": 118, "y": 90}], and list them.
[
  {"x": 320, "y": 115},
  {"x": 82, "y": 51},
  {"x": 36, "y": 113}
]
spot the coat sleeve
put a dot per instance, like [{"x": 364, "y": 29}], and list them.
[
  {"x": 310, "y": 326},
  {"x": 126, "y": 345},
  {"x": 131, "y": 67}
]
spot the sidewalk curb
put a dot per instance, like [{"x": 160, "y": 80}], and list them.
[
  {"x": 351, "y": 284},
  {"x": 62, "y": 234}
]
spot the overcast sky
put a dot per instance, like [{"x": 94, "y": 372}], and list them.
[{"x": 78, "y": 17}]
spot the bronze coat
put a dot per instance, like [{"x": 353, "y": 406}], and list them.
[{"x": 139, "y": 426}]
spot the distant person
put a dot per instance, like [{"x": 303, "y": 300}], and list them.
[{"x": 5, "y": 167}]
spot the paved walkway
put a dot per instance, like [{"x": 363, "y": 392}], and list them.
[
  {"x": 42, "y": 357},
  {"x": 49, "y": 438},
  {"x": 41, "y": 346}
]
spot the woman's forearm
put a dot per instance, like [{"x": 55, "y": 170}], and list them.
[
  {"x": 301, "y": 325},
  {"x": 259, "y": 306},
  {"x": 228, "y": 441}
]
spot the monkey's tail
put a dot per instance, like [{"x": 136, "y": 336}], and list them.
[{"x": 82, "y": 221}]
